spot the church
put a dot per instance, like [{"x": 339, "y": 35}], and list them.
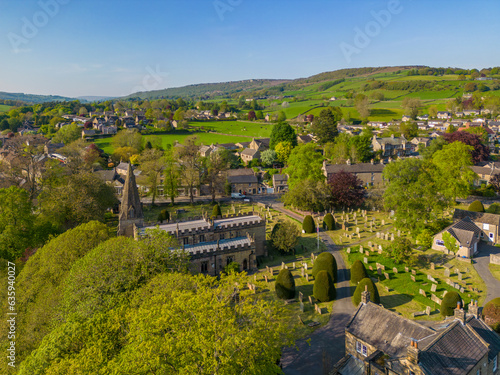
[{"x": 211, "y": 243}]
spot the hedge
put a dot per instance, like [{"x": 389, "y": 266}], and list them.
[
  {"x": 324, "y": 289},
  {"x": 329, "y": 222},
  {"x": 285, "y": 285},
  {"x": 308, "y": 224},
  {"x": 358, "y": 272},
  {"x": 449, "y": 303},
  {"x": 476, "y": 206},
  {"x": 325, "y": 262},
  {"x": 216, "y": 211},
  {"x": 164, "y": 215},
  {"x": 374, "y": 296},
  {"x": 491, "y": 314}
]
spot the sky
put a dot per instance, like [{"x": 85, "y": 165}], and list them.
[{"x": 115, "y": 48}]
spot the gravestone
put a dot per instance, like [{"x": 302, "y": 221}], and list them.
[
  {"x": 380, "y": 251},
  {"x": 428, "y": 310},
  {"x": 371, "y": 268},
  {"x": 387, "y": 289},
  {"x": 433, "y": 287},
  {"x": 379, "y": 271},
  {"x": 462, "y": 290},
  {"x": 307, "y": 277},
  {"x": 367, "y": 253},
  {"x": 378, "y": 234},
  {"x": 447, "y": 272},
  {"x": 395, "y": 270},
  {"x": 303, "y": 272},
  {"x": 433, "y": 266},
  {"x": 399, "y": 233},
  {"x": 361, "y": 249},
  {"x": 311, "y": 300},
  {"x": 301, "y": 306},
  {"x": 301, "y": 296},
  {"x": 365, "y": 260},
  {"x": 386, "y": 275},
  {"x": 305, "y": 266},
  {"x": 460, "y": 276},
  {"x": 348, "y": 250},
  {"x": 265, "y": 278},
  {"x": 422, "y": 292},
  {"x": 412, "y": 278},
  {"x": 406, "y": 269},
  {"x": 255, "y": 277},
  {"x": 380, "y": 247},
  {"x": 387, "y": 237},
  {"x": 392, "y": 236},
  {"x": 293, "y": 265},
  {"x": 282, "y": 265},
  {"x": 357, "y": 228},
  {"x": 413, "y": 272},
  {"x": 383, "y": 222},
  {"x": 369, "y": 243}
]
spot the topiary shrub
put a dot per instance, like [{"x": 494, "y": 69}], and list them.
[
  {"x": 308, "y": 224},
  {"x": 324, "y": 289},
  {"x": 164, "y": 215},
  {"x": 285, "y": 285},
  {"x": 494, "y": 209},
  {"x": 476, "y": 206},
  {"x": 216, "y": 211},
  {"x": 491, "y": 314},
  {"x": 374, "y": 296},
  {"x": 358, "y": 272},
  {"x": 329, "y": 222},
  {"x": 325, "y": 262},
  {"x": 449, "y": 303}
]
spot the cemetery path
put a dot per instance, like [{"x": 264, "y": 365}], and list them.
[
  {"x": 325, "y": 346},
  {"x": 481, "y": 263}
]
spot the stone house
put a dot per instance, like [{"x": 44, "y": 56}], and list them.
[
  {"x": 249, "y": 154},
  {"x": 261, "y": 144},
  {"x": 392, "y": 146},
  {"x": 304, "y": 139},
  {"x": 205, "y": 151},
  {"x": 417, "y": 141},
  {"x": 467, "y": 235},
  {"x": 443, "y": 115},
  {"x": 244, "y": 183},
  {"x": 489, "y": 224},
  {"x": 280, "y": 183},
  {"x": 485, "y": 170},
  {"x": 369, "y": 173},
  {"x": 378, "y": 341}
]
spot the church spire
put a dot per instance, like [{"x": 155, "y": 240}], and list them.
[{"x": 130, "y": 208}]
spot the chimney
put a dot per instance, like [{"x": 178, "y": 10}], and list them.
[
  {"x": 348, "y": 161},
  {"x": 459, "y": 313},
  {"x": 372, "y": 161},
  {"x": 413, "y": 352},
  {"x": 365, "y": 296},
  {"x": 474, "y": 309}
]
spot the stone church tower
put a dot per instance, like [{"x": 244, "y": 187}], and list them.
[{"x": 130, "y": 208}]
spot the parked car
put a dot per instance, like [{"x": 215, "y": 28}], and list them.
[{"x": 238, "y": 196}]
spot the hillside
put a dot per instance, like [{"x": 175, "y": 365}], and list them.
[{"x": 33, "y": 98}]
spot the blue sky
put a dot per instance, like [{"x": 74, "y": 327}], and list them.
[{"x": 114, "y": 48}]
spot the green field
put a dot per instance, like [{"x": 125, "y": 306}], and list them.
[
  {"x": 5, "y": 108},
  {"x": 169, "y": 139},
  {"x": 241, "y": 128}
]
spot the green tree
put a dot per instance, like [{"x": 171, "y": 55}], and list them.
[
  {"x": 172, "y": 173},
  {"x": 282, "y": 132},
  {"x": 454, "y": 175},
  {"x": 191, "y": 165},
  {"x": 281, "y": 116},
  {"x": 285, "y": 285},
  {"x": 450, "y": 242},
  {"x": 152, "y": 163},
  {"x": 324, "y": 126},
  {"x": 449, "y": 303},
  {"x": 325, "y": 262},
  {"x": 358, "y": 272},
  {"x": 476, "y": 206},
  {"x": 303, "y": 163},
  {"x": 128, "y": 138},
  {"x": 216, "y": 211},
  {"x": 232, "y": 267},
  {"x": 411, "y": 106},
  {"x": 400, "y": 250},
  {"x": 308, "y": 224},
  {"x": 16, "y": 222},
  {"x": 268, "y": 157},
  {"x": 324, "y": 288},
  {"x": 215, "y": 172},
  {"x": 308, "y": 195},
  {"x": 67, "y": 134},
  {"x": 374, "y": 295},
  {"x": 283, "y": 151},
  {"x": 285, "y": 237},
  {"x": 329, "y": 222}
]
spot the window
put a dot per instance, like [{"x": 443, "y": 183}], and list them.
[
  {"x": 478, "y": 372},
  {"x": 364, "y": 351},
  {"x": 202, "y": 238},
  {"x": 229, "y": 260},
  {"x": 491, "y": 236},
  {"x": 440, "y": 242},
  {"x": 186, "y": 240},
  {"x": 495, "y": 363},
  {"x": 486, "y": 226},
  {"x": 358, "y": 346},
  {"x": 204, "y": 267}
]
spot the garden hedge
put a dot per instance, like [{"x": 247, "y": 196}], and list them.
[
  {"x": 358, "y": 272},
  {"x": 449, "y": 303},
  {"x": 324, "y": 289},
  {"x": 329, "y": 222},
  {"x": 308, "y": 224},
  {"x": 325, "y": 262},
  {"x": 285, "y": 285},
  {"x": 374, "y": 296},
  {"x": 216, "y": 211},
  {"x": 476, "y": 206}
]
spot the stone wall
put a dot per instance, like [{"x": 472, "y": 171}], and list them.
[{"x": 494, "y": 259}]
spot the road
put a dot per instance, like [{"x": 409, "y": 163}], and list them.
[
  {"x": 326, "y": 345},
  {"x": 481, "y": 262}
]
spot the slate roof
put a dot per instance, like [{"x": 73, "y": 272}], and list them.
[
  {"x": 212, "y": 245},
  {"x": 454, "y": 352},
  {"x": 249, "y": 152},
  {"x": 488, "y": 335},
  {"x": 464, "y": 231},
  {"x": 240, "y": 172},
  {"x": 391, "y": 140},
  {"x": 477, "y": 217},
  {"x": 242, "y": 179},
  {"x": 280, "y": 177},
  {"x": 385, "y": 330},
  {"x": 222, "y": 223}
]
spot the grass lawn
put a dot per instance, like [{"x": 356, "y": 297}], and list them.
[
  {"x": 495, "y": 270},
  {"x": 166, "y": 139},
  {"x": 5, "y": 108},
  {"x": 241, "y": 128}
]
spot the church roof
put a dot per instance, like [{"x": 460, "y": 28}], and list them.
[{"x": 131, "y": 201}]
